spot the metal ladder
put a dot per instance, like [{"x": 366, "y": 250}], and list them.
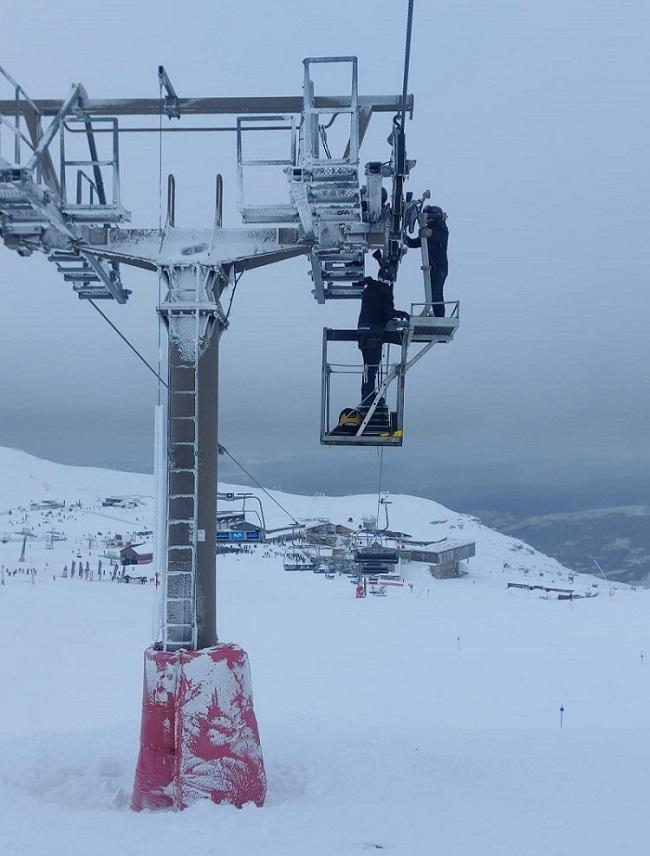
[{"x": 182, "y": 504}]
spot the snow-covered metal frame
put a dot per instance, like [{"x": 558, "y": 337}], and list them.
[{"x": 334, "y": 220}]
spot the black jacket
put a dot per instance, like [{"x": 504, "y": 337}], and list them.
[
  {"x": 377, "y": 307},
  {"x": 436, "y": 247}
]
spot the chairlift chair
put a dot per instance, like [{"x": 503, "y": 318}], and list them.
[
  {"x": 238, "y": 521},
  {"x": 296, "y": 560},
  {"x": 376, "y": 560}
]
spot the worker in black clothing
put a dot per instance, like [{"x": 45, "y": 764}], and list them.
[
  {"x": 377, "y": 309},
  {"x": 436, "y": 235}
]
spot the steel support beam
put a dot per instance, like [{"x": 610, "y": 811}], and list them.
[
  {"x": 215, "y": 106},
  {"x": 194, "y": 321}
]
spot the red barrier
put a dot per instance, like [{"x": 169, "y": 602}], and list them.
[{"x": 199, "y": 736}]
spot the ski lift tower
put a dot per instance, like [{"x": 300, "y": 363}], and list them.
[{"x": 68, "y": 205}]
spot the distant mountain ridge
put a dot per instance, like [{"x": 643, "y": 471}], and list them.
[{"x": 617, "y": 538}]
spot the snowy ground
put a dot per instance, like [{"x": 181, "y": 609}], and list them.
[{"x": 425, "y": 722}]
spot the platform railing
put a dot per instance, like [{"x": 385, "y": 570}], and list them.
[
  {"x": 284, "y": 122},
  {"x": 451, "y": 308},
  {"x": 20, "y": 97},
  {"x": 311, "y": 136},
  {"x": 94, "y": 161}
]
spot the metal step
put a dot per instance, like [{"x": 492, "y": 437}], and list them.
[
  {"x": 342, "y": 275},
  {"x": 270, "y": 214},
  {"x": 96, "y": 213},
  {"x": 15, "y": 204},
  {"x": 57, "y": 257},
  {"x": 11, "y": 194},
  {"x": 342, "y": 212},
  {"x": 341, "y": 292},
  {"x": 86, "y": 275},
  {"x": 23, "y": 214},
  {"x": 90, "y": 293},
  {"x": 328, "y": 171},
  {"x": 332, "y": 193}
]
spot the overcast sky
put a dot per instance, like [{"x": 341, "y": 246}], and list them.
[{"x": 531, "y": 129}]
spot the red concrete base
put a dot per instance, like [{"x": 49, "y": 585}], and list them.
[{"x": 199, "y": 737}]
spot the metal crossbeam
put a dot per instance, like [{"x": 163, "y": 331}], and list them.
[{"x": 214, "y": 106}]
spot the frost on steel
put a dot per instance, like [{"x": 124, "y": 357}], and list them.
[{"x": 65, "y": 200}]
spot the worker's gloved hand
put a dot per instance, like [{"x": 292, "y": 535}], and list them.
[{"x": 425, "y": 232}]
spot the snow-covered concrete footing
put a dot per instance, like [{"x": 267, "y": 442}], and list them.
[{"x": 199, "y": 736}]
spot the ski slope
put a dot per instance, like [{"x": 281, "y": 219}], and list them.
[{"x": 424, "y": 722}]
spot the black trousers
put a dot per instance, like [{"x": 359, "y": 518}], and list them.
[
  {"x": 437, "y": 296},
  {"x": 371, "y": 352}
]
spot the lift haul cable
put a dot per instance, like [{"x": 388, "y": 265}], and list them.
[
  {"x": 380, "y": 451},
  {"x": 234, "y": 289},
  {"x": 126, "y": 341},
  {"x": 407, "y": 63},
  {"x": 223, "y": 449},
  {"x": 407, "y": 59}
]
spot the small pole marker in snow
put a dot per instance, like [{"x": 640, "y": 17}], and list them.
[
  {"x": 458, "y": 643},
  {"x": 642, "y": 659},
  {"x": 561, "y": 714}
]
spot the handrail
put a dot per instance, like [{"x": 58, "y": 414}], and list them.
[
  {"x": 93, "y": 161},
  {"x": 53, "y": 128},
  {"x": 93, "y": 187},
  {"x": 15, "y": 130},
  {"x": 218, "y": 217},
  {"x": 455, "y": 304},
  {"x": 17, "y": 113},
  {"x": 171, "y": 200},
  {"x": 19, "y": 89}
]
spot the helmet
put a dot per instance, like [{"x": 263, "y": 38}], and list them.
[
  {"x": 388, "y": 271},
  {"x": 434, "y": 211}
]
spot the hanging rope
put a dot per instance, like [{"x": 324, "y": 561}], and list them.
[
  {"x": 380, "y": 450},
  {"x": 381, "y": 470}
]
